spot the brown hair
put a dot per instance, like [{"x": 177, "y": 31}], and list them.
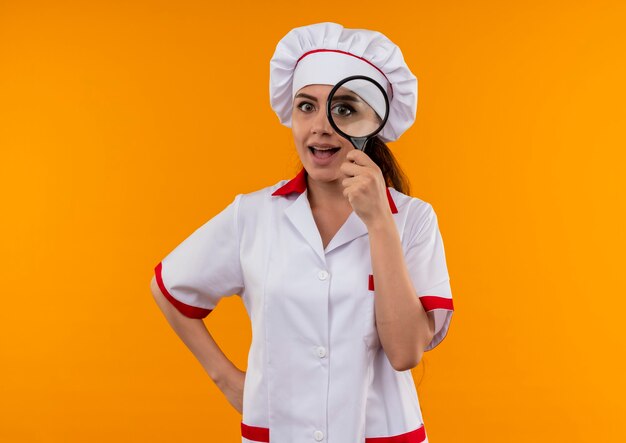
[{"x": 383, "y": 157}]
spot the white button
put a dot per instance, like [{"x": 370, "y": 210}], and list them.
[
  {"x": 323, "y": 275},
  {"x": 319, "y": 435},
  {"x": 321, "y": 352}
]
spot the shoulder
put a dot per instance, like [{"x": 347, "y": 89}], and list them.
[
  {"x": 262, "y": 200},
  {"x": 413, "y": 212},
  {"x": 409, "y": 205},
  {"x": 261, "y": 196}
]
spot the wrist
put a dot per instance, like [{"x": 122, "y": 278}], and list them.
[{"x": 384, "y": 222}]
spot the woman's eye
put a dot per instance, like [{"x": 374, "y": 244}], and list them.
[
  {"x": 342, "y": 110},
  {"x": 305, "y": 106}
]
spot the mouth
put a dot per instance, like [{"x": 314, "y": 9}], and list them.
[{"x": 323, "y": 151}]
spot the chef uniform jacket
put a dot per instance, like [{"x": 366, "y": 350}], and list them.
[{"x": 316, "y": 369}]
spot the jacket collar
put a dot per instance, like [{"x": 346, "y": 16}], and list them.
[{"x": 298, "y": 185}]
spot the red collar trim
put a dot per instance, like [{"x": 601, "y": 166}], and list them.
[{"x": 298, "y": 185}]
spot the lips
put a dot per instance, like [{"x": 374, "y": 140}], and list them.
[{"x": 323, "y": 151}]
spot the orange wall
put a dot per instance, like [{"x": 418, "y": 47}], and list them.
[{"x": 124, "y": 127}]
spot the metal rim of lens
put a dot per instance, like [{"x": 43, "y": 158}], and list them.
[{"x": 332, "y": 94}]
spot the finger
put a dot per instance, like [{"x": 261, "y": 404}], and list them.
[
  {"x": 346, "y": 182},
  {"x": 351, "y": 169},
  {"x": 359, "y": 157}
]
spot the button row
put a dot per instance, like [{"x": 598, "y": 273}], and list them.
[{"x": 321, "y": 353}]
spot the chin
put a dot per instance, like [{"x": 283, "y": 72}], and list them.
[{"x": 322, "y": 174}]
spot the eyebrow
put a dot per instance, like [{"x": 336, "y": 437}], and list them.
[
  {"x": 302, "y": 94},
  {"x": 349, "y": 98}
]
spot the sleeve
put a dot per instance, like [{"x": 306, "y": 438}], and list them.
[
  {"x": 205, "y": 267},
  {"x": 426, "y": 263}
]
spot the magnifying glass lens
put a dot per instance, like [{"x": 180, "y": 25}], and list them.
[{"x": 358, "y": 108}]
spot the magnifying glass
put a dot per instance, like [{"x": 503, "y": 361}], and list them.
[{"x": 357, "y": 108}]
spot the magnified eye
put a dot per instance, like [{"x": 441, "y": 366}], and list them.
[{"x": 342, "y": 110}]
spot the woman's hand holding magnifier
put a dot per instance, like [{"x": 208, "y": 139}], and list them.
[{"x": 365, "y": 188}]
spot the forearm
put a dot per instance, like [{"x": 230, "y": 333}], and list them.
[
  {"x": 195, "y": 335},
  {"x": 402, "y": 323}
]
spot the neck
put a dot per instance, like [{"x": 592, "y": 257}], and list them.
[{"x": 325, "y": 194}]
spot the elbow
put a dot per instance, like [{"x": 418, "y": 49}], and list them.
[
  {"x": 401, "y": 368},
  {"x": 407, "y": 363},
  {"x": 409, "y": 359}
]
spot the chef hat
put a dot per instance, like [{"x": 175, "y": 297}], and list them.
[{"x": 326, "y": 53}]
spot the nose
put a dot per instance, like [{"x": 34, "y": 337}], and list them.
[{"x": 321, "y": 125}]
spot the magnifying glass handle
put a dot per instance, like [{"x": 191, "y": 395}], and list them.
[{"x": 359, "y": 142}]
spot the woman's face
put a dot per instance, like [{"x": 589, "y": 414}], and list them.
[{"x": 321, "y": 149}]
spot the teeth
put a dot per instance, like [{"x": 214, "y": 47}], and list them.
[{"x": 322, "y": 149}]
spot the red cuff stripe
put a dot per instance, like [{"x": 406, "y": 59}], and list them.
[
  {"x": 431, "y": 302},
  {"x": 416, "y": 436},
  {"x": 254, "y": 433},
  {"x": 186, "y": 310}
]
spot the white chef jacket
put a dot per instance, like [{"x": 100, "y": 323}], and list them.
[{"x": 316, "y": 369}]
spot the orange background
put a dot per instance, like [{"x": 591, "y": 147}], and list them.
[{"x": 126, "y": 125}]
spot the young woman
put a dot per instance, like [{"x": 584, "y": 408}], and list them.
[{"x": 342, "y": 273}]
